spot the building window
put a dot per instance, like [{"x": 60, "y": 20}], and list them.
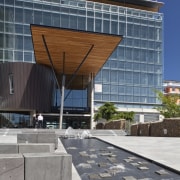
[{"x": 11, "y": 83}]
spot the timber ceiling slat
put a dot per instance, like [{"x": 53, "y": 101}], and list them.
[{"x": 76, "y": 45}]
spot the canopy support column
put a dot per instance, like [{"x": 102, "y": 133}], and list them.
[
  {"x": 62, "y": 101},
  {"x": 62, "y": 93},
  {"x": 92, "y": 101}
]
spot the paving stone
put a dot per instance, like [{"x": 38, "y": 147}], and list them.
[
  {"x": 128, "y": 160},
  {"x": 110, "y": 147},
  {"x": 116, "y": 169},
  {"x": 102, "y": 164},
  {"x": 162, "y": 172},
  {"x": 143, "y": 162},
  {"x": 93, "y": 156},
  {"x": 83, "y": 153},
  {"x": 71, "y": 148},
  {"x": 112, "y": 160},
  {"x": 113, "y": 171},
  {"x": 129, "y": 178},
  {"x": 103, "y": 150},
  {"x": 91, "y": 162},
  {"x": 105, "y": 175},
  {"x": 106, "y": 154},
  {"x": 132, "y": 157},
  {"x": 94, "y": 176},
  {"x": 92, "y": 150},
  {"x": 84, "y": 165},
  {"x": 87, "y": 166},
  {"x": 143, "y": 168},
  {"x": 112, "y": 155},
  {"x": 135, "y": 164}
]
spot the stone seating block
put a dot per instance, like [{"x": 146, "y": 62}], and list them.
[
  {"x": 11, "y": 167},
  {"x": 37, "y": 137},
  {"x": 8, "y": 148},
  {"x": 27, "y": 138},
  {"x": 48, "y": 166},
  {"x": 36, "y": 148},
  {"x": 46, "y": 138}
]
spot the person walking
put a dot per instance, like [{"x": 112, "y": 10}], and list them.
[
  {"x": 40, "y": 121},
  {"x": 35, "y": 124}
]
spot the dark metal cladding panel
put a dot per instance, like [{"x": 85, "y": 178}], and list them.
[{"x": 33, "y": 87}]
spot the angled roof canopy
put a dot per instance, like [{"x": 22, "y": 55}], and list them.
[{"x": 73, "y": 53}]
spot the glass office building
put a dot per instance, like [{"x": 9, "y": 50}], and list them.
[{"x": 134, "y": 69}]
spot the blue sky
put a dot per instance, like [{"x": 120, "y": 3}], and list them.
[{"x": 171, "y": 39}]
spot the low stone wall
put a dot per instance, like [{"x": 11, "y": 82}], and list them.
[
  {"x": 34, "y": 157},
  {"x": 12, "y": 167},
  {"x": 167, "y": 128},
  {"x": 48, "y": 166},
  {"x": 36, "y": 148},
  {"x": 41, "y": 166},
  {"x": 26, "y": 148},
  {"x": 37, "y": 137},
  {"x": 117, "y": 124},
  {"x": 144, "y": 129},
  {"x": 100, "y": 126},
  {"x": 135, "y": 130},
  {"x": 9, "y": 148}
]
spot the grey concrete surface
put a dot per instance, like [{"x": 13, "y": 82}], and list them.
[
  {"x": 36, "y": 148},
  {"x": 10, "y": 136},
  {"x": 162, "y": 150},
  {"x": 61, "y": 149},
  {"x": 8, "y": 139},
  {"x": 36, "y": 137},
  {"x": 10, "y": 148},
  {"x": 11, "y": 167},
  {"x": 48, "y": 166}
]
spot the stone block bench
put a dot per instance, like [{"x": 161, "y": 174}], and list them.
[
  {"x": 27, "y": 148},
  {"x": 9, "y": 148},
  {"x": 33, "y": 166},
  {"x": 36, "y": 148},
  {"x": 37, "y": 137},
  {"x": 11, "y": 167},
  {"x": 34, "y": 157}
]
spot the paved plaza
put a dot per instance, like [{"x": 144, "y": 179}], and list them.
[{"x": 162, "y": 150}]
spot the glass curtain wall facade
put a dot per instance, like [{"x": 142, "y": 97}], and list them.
[{"x": 133, "y": 70}]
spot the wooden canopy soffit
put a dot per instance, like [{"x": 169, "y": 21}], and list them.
[
  {"x": 72, "y": 52},
  {"x": 153, "y": 6}
]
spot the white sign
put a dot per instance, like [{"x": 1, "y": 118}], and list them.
[{"x": 98, "y": 87}]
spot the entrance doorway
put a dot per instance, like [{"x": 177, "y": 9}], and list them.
[{"x": 74, "y": 121}]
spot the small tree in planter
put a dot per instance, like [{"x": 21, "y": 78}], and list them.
[
  {"x": 105, "y": 111},
  {"x": 169, "y": 107},
  {"x": 109, "y": 112}
]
